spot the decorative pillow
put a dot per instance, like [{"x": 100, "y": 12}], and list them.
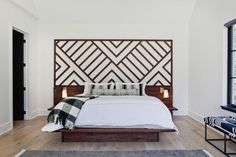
[
  {"x": 87, "y": 87},
  {"x": 143, "y": 88},
  {"x": 114, "y": 89},
  {"x": 97, "y": 88},
  {"x": 131, "y": 88}
]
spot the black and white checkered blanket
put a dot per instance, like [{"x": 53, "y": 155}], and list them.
[{"x": 66, "y": 112}]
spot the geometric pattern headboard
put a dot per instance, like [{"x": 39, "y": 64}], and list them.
[{"x": 79, "y": 61}]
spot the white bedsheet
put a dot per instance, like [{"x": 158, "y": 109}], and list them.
[{"x": 125, "y": 112}]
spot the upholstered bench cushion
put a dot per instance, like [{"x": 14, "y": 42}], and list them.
[{"x": 226, "y": 124}]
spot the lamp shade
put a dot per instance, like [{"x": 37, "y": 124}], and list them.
[
  {"x": 64, "y": 92},
  {"x": 161, "y": 90},
  {"x": 166, "y": 94}
]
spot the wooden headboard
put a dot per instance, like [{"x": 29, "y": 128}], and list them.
[
  {"x": 77, "y": 61},
  {"x": 150, "y": 90}
]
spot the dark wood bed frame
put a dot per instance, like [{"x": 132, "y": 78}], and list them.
[
  {"x": 113, "y": 134},
  {"x": 64, "y": 48}
]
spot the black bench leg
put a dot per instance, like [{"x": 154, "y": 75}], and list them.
[
  {"x": 225, "y": 143},
  {"x": 205, "y": 132},
  {"x": 225, "y": 139}
]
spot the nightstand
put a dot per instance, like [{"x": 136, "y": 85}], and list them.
[
  {"x": 172, "y": 109},
  {"x": 50, "y": 108}
]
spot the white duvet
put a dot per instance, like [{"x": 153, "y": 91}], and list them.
[{"x": 124, "y": 112}]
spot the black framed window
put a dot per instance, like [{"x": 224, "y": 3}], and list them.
[
  {"x": 231, "y": 78},
  {"x": 232, "y": 65}
]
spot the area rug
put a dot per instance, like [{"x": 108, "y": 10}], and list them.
[{"x": 151, "y": 153}]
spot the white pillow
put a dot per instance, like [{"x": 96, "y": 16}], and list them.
[
  {"x": 114, "y": 89},
  {"x": 87, "y": 87},
  {"x": 99, "y": 88},
  {"x": 130, "y": 86}
]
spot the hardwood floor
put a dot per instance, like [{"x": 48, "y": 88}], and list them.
[{"x": 28, "y": 135}]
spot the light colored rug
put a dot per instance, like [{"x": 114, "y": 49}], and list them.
[{"x": 151, "y": 153}]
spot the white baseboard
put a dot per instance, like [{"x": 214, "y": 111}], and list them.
[
  {"x": 5, "y": 127},
  {"x": 43, "y": 112},
  {"x": 196, "y": 116},
  {"x": 9, "y": 126},
  {"x": 200, "y": 118},
  {"x": 39, "y": 113},
  {"x": 179, "y": 114},
  {"x": 33, "y": 115}
]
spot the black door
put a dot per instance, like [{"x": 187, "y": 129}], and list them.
[{"x": 18, "y": 75}]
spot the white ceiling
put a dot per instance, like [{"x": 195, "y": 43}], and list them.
[{"x": 109, "y": 11}]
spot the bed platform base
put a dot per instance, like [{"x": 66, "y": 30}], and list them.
[{"x": 111, "y": 135}]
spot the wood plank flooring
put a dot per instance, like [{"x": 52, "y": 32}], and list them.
[{"x": 28, "y": 135}]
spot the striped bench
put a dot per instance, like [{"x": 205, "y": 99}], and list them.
[{"x": 226, "y": 125}]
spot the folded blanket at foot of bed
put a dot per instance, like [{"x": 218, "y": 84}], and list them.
[{"x": 64, "y": 114}]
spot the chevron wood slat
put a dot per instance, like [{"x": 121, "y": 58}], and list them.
[{"x": 80, "y": 61}]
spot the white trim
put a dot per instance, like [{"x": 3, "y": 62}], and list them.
[
  {"x": 5, "y": 127},
  {"x": 38, "y": 113},
  {"x": 43, "y": 113},
  {"x": 224, "y": 67},
  {"x": 26, "y": 93},
  {"x": 18, "y": 30},
  {"x": 199, "y": 118},
  {"x": 33, "y": 115},
  {"x": 179, "y": 114},
  {"x": 10, "y": 98},
  {"x": 196, "y": 116}
]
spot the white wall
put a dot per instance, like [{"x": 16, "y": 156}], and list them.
[
  {"x": 10, "y": 16},
  {"x": 40, "y": 55},
  {"x": 176, "y": 31},
  {"x": 207, "y": 57},
  {"x": 199, "y": 56}
]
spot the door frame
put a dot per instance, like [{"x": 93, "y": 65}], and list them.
[{"x": 26, "y": 107}]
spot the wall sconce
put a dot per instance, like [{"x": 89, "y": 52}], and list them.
[
  {"x": 166, "y": 94},
  {"x": 162, "y": 90},
  {"x": 64, "y": 92}
]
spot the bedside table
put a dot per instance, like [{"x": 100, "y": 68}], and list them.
[
  {"x": 172, "y": 109},
  {"x": 50, "y": 108}
]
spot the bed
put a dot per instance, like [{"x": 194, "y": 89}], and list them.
[
  {"x": 77, "y": 61},
  {"x": 133, "y": 125}
]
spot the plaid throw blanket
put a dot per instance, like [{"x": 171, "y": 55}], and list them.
[{"x": 66, "y": 112}]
